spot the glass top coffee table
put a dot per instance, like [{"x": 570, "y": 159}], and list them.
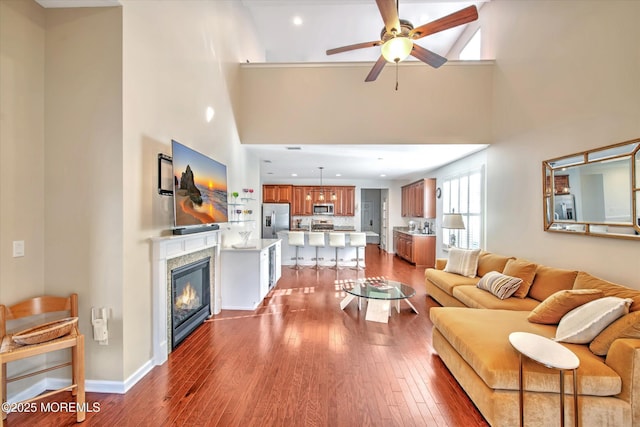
[{"x": 379, "y": 293}]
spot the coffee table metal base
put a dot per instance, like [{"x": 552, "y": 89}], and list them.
[{"x": 377, "y": 310}]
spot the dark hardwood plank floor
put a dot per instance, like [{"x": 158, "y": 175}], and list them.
[{"x": 298, "y": 360}]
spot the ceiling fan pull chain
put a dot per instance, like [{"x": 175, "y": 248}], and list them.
[{"x": 397, "y": 75}]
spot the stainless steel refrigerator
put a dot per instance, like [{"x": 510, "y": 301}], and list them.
[{"x": 275, "y": 217}]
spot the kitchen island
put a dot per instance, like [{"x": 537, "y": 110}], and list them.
[
  {"x": 248, "y": 273},
  {"x": 326, "y": 254}
]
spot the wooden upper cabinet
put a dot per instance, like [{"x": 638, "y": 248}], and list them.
[
  {"x": 277, "y": 193},
  {"x": 419, "y": 199},
  {"x": 300, "y": 205},
  {"x": 348, "y": 201},
  {"x": 344, "y": 203}
]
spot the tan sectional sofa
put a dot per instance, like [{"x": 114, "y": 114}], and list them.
[{"x": 471, "y": 333}]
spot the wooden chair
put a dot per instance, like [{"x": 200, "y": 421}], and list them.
[{"x": 10, "y": 351}]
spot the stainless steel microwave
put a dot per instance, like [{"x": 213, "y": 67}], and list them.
[{"x": 323, "y": 209}]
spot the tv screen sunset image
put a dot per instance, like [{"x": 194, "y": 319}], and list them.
[{"x": 199, "y": 188}]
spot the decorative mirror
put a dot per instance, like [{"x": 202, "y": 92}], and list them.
[{"x": 595, "y": 192}]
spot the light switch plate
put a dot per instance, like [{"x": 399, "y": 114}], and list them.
[{"x": 18, "y": 248}]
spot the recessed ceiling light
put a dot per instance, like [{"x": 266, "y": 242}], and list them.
[
  {"x": 294, "y": 174},
  {"x": 338, "y": 174},
  {"x": 294, "y": 148},
  {"x": 297, "y": 21},
  {"x": 382, "y": 175}
]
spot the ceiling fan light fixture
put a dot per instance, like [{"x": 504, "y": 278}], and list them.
[{"x": 397, "y": 49}]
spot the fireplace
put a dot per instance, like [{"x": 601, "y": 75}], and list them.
[{"x": 189, "y": 299}]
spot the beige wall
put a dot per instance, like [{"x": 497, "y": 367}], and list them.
[
  {"x": 22, "y": 206},
  {"x": 98, "y": 93},
  {"x": 566, "y": 79},
  {"x": 177, "y": 61},
  {"x": 22, "y": 35},
  {"x": 331, "y": 104},
  {"x": 83, "y": 171}
]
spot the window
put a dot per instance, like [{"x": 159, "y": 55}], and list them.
[
  {"x": 463, "y": 194},
  {"x": 472, "y": 50}
]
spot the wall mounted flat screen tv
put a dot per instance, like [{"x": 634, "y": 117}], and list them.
[{"x": 199, "y": 188}]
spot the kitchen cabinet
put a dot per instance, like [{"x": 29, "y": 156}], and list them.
[
  {"x": 419, "y": 199},
  {"x": 418, "y": 249},
  {"x": 300, "y": 206},
  {"x": 276, "y": 193},
  {"x": 247, "y": 275},
  {"x": 344, "y": 203}
]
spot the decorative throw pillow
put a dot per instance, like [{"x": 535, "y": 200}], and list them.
[
  {"x": 583, "y": 324},
  {"x": 610, "y": 289},
  {"x": 523, "y": 269},
  {"x": 551, "y": 310},
  {"x": 489, "y": 261},
  {"x": 498, "y": 284},
  {"x": 463, "y": 262},
  {"x": 550, "y": 280},
  {"x": 627, "y": 326}
]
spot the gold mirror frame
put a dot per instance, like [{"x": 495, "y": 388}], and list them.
[{"x": 598, "y": 175}]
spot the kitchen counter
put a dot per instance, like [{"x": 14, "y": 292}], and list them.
[
  {"x": 405, "y": 230},
  {"x": 337, "y": 230},
  {"x": 326, "y": 254},
  {"x": 252, "y": 245}
]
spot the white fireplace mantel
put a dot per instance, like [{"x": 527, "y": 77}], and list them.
[{"x": 165, "y": 248}]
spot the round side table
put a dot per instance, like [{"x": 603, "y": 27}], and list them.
[{"x": 552, "y": 355}]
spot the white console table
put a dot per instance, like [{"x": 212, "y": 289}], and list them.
[{"x": 249, "y": 273}]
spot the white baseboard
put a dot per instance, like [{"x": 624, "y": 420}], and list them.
[{"x": 96, "y": 386}]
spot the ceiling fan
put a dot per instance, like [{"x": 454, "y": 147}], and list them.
[{"x": 398, "y": 35}]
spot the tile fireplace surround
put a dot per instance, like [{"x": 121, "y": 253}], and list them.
[{"x": 166, "y": 250}]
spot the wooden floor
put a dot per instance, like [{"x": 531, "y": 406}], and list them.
[{"x": 296, "y": 361}]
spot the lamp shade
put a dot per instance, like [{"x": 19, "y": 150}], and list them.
[
  {"x": 453, "y": 221},
  {"x": 397, "y": 49}
]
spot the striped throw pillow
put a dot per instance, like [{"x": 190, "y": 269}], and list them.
[
  {"x": 499, "y": 284},
  {"x": 463, "y": 262}
]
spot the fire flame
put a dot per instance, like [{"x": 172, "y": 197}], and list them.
[{"x": 188, "y": 299}]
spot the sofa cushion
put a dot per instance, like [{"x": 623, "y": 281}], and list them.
[
  {"x": 448, "y": 281},
  {"x": 587, "y": 281},
  {"x": 551, "y": 310},
  {"x": 550, "y": 280},
  {"x": 491, "y": 262},
  {"x": 481, "y": 337},
  {"x": 463, "y": 262},
  {"x": 627, "y": 326},
  {"x": 584, "y": 323},
  {"x": 523, "y": 269},
  {"x": 498, "y": 284},
  {"x": 475, "y": 297}
]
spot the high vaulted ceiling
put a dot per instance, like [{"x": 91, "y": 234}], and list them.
[
  {"x": 326, "y": 24},
  {"x": 322, "y": 25}
]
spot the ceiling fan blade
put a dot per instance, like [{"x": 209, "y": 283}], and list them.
[
  {"x": 377, "y": 68},
  {"x": 428, "y": 57},
  {"x": 468, "y": 14},
  {"x": 389, "y": 14},
  {"x": 353, "y": 47}
]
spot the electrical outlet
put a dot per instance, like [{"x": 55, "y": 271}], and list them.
[{"x": 18, "y": 248}]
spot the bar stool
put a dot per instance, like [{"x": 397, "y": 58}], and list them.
[
  {"x": 296, "y": 238},
  {"x": 316, "y": 239},
  {"x": 358, "y": 240},
  {"x": 337, "y": 240}
]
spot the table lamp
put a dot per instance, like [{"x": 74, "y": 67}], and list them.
[{"x": 453, "y": 221}]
